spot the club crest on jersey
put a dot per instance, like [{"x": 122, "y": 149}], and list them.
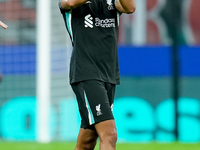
[
  {"x": 98, "y": 109},
  {"x": 110, "y": 4}
]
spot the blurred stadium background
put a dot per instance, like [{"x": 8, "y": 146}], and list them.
[{"x": 37, "y": 103}]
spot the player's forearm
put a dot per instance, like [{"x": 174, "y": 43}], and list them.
[
  {"x": 128, "y": 5},
  {"x": 71, "y": 4}
]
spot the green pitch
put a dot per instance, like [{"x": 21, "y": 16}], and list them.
[{"x": 120, "y": 146}]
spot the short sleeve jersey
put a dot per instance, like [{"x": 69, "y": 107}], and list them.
[{"x": 93, "y": 29}]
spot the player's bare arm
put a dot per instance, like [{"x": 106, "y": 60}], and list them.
[
  {"x": 3, "y": 25},
  {"x": 126, "y": 6},
  {"x": 71, "y": 4}
]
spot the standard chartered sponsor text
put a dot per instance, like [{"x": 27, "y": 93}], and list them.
[{"x": 105, "y": 23}]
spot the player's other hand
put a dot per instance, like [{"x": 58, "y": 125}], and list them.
[{"x": 3, "y": 25}]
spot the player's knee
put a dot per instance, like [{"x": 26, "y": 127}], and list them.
[
  {"x": 113, "y": 137},
  {"x": 89, "y": 143},
  {"x": 86, "y": 146},
  {"x": 110, "y": 137},
  {"x": 89, "y": 146}
]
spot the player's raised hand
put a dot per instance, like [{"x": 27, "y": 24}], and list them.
[{"x": 3, "y": 25}]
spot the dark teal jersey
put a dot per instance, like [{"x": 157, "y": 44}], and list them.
[{"x": 93, "y": 29}]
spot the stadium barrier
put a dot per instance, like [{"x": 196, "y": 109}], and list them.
[{"x": 136, "y": 119}]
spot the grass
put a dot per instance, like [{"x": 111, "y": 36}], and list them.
[{"x": 120, "y": 146}]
